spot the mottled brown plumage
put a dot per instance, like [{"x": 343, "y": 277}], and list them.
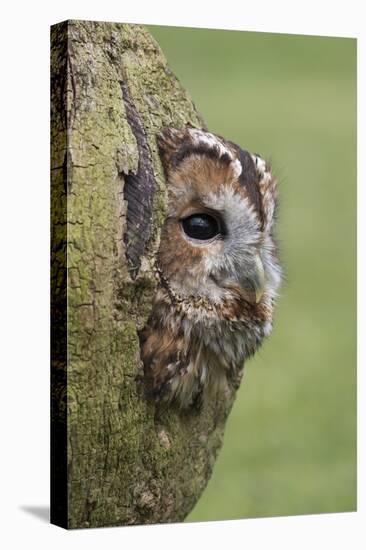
[{"x": 217, "y": 267}]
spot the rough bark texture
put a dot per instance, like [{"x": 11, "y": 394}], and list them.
[{"x": 117, "y": 457}]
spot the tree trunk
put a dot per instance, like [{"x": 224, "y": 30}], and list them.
[{"x": 117, "y": 457}]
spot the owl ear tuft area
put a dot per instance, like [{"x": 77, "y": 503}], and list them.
[{"x": 169, "y": 140}]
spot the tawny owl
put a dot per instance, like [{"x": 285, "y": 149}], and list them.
[{"x": 217, "y": 266}]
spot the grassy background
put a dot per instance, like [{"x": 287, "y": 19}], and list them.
[{"x": 290, "y": 442}]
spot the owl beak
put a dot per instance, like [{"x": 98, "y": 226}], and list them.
[
  {"x": 251, "y": 286},
  {"x": 259, "y": 279}
]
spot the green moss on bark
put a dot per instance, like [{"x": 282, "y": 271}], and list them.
[{"x": 129, "y": 461}]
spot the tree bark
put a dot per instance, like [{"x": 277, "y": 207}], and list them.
[{"x": 117, "y": 457}]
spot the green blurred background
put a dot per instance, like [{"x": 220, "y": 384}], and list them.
[{"x": 290, "y": 442}]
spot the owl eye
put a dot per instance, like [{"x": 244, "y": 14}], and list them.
[{"x": 202, "y": 227}]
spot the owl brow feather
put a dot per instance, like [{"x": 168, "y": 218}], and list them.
[{"x": 189, "y": 149}]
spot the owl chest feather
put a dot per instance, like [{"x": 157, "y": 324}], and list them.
[{"x": 191, "y": 354}]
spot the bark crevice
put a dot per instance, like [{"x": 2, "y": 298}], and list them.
[{"x": 138, "y": 191}]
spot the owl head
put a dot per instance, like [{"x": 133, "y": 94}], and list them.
[
  {"x": 217, "y": 266},
  {"x": 217, "y": 240}
]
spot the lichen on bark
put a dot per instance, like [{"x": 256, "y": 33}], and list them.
[{"x": 129, "y": 460}]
